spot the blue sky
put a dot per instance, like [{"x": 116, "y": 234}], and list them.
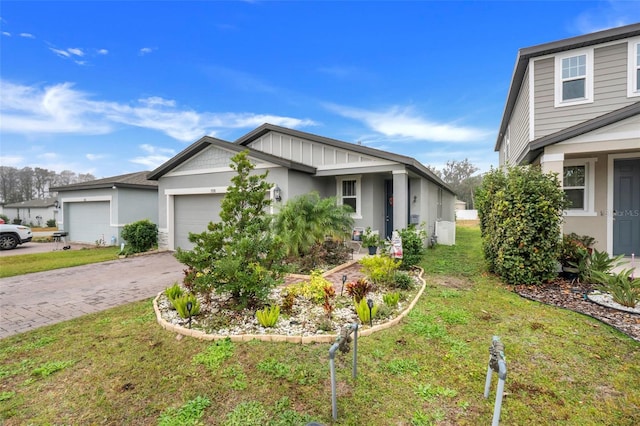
[{"x": 113, "y": 87}]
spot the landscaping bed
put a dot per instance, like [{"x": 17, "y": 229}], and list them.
[{"x": 573, "y": 296}]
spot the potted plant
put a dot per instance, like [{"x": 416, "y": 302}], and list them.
[{"x": 371, "y": 240}]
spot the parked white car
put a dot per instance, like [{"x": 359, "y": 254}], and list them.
[{"x": 12, "y": 235}]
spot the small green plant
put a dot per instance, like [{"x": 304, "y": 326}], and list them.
[
  {"x": 7, "y": 395},
  {"x": 429, "y": 392},
  {"x": 391, "y": 299},
  {"x": 173, "y": 292},
  {"x": 49, "y": 368},
  {"x": 268, "y": 317},
  {"x": 403, "y": 281},
  {"x": 247, "y": 413},
  {"x": 312, "y": 289},
  {"x": 601, "y": 262},
  {"x": 215, "y": 354},
  {"x": 239, "y": 378},
  {"x": 413, "y": 247},
  {"x": 189, "y": 414},
  {"x": 359, "y": 289},
  {"x": 624, "y": 289},
  {"x": 288, "y": 301},
  {"x": 380, "y": 269},
  {"x": 274, "y": 368},
  {"x": 363, "y": 312},
  {"x": 180, "y": 303},
  {"x": 51, "y": 223},
  {"x": 369, "y": 238},
  {"x": 402, "y": 366}
]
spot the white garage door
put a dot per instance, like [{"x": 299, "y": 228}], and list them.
[
  {"x": 88, "y": 222},
  {"x": 193, "y": 213}
]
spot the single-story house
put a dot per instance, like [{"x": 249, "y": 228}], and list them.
[
  {"x": 387, "y": 191},
  {"x": 95, "y": 211},
  {"x": 573, "y": 108},
  {"x": 32, "y": 212}
]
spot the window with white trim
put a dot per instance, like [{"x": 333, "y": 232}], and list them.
[
  {"x": 574, "y": 78},
  {"x": 633, "y": 80},
  {"x": 578, "y": 185},
  {"x": 349, "y": 193}
]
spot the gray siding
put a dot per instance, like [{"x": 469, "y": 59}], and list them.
[
  {"x": 136, "y": 204},
  {"x": 305, "y": 151},
  {"x": 609, "y": 91},
  {"x": 519, "y": 125}
]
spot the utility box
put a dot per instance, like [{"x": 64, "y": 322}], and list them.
[{"x": 446, "y": 232}]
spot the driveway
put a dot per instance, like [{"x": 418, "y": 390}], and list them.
[{"x": 34, "y": 300}]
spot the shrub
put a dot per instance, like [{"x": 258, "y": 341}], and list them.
[
  {"x": 403, "y": 281},
  {"x": 599, "y": 261},
  {"x": 51, "y": 223},
  {"x": 362, "y": 309},
  {"x": 180, "y": 303},
  {"x": 4, "y": 217},
  {"x": 413, "y": 248},
  {"x": 312, "y": 289},
  {"x": 268, "y": 316},
  {"x": 520, "y": 210},
  {"x": 380, "y": 269},
  {"x": 140, "y": 236},
  {"x": 359, "y": 289},
  {"x": 173, "y": 292}
]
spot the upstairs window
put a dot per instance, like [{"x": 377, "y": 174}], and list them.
[
  {"x": 574, "y": 79},
  {"x": 634, "y": 68}
]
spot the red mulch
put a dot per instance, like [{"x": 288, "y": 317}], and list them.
[{"x": 572, "y": 296}]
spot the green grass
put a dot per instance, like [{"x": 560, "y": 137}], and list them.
[
  {"x": 563, "y": 367},
  {"x": 26, "y": 263}
]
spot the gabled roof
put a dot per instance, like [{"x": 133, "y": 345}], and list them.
[
  {"x": 130, "y": 180},
  {"x": 410, "y": 162},
  {"x": 208, "y": 141},
  {"x": 536, "y": 147},
  {"x": 522, "y": 62},
  {"x": 33, "y": 204}
]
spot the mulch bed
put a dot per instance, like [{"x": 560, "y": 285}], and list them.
[{"x": 572, "y": 296}]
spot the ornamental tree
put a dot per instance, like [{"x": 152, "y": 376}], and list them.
[{"x": 238, "y": 255}]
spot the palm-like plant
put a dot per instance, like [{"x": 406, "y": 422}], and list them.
[{"x": 307, "y": 219}]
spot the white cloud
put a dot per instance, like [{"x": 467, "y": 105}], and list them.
[
  {"x": 60, "y": 52},
  {"x": 75, "y": 51},
  {"x": 6, "y": 33},
  {"x": 12, "y": 160},
  {"x": 103, "y": 52},
  {"x": 61, "y": 108},
  {"x": 146, "y": 50},
  {"x": 156, "y": 156},
  {"x": 27, "y": 35},
  {"x": 605, "y": 15},
  {"x": 404, "y": 123},
  {"x": 95, "y": 157}
]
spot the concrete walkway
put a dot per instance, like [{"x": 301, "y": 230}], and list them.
[{"x": 43, "y": 298}]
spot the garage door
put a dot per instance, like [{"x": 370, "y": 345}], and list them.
[
  {"x": 192, "y": 213},
  {"x": 88, "y": 222}
]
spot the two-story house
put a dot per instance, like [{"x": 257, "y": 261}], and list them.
[{"x": 573, "y": 108}]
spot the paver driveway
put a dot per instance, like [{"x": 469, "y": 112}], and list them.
[{"x": 34, "y": 300}]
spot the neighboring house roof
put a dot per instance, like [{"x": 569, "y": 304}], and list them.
[
  {"x": 522, "y": 62},
  {"x": 137, "y": 180},
  {"x": 33, "y": 204},
  {"x": 208, "y": 141},
  {"x": 410, "y": 162},
  {"x": 536, "y": 147}
]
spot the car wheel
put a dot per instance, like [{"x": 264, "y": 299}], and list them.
[{"x": 8, "y": 242}]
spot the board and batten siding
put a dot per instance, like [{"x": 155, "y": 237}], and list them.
[
  {"x": 306, "y": 152},
  {"x": 609, "y": 91}
]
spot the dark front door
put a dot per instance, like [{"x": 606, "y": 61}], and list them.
[
  {"x": 626, "y": 207},
  {"x": 388, "y": 211}
]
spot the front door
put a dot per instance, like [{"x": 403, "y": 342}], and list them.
[
  {"x": 388, "y": 211},
  {"x": 626, "y": 207}
]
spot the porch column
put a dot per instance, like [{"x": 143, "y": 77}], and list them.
[
  {"x": 400, "y": 199},
  {"x": 554, "y": 163}
]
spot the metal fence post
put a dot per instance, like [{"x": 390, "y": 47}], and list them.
[{"x": 498, "y": 364}]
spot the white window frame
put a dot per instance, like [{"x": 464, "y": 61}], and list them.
[
  {"x": 633, "y": 62},
  {"x": 357, "y": 178},
  {"x": 589, "y": 183},
  {"x": 588, "y": 78}
]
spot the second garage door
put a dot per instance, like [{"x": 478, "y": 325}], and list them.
[
  {"x": 193, "y": 213},
  {"x": 88, "y": 222}
]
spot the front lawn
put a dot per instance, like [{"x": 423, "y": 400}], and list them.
[
  {"x": 121, "y": 367},
  {"x": 39, "y": 262}
]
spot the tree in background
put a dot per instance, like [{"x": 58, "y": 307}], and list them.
[
  {"x": 25, "y": 184},
  {"x": 459, "y": 176}
]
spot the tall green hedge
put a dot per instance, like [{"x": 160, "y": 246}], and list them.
[{"x": 520, "y": 210}]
